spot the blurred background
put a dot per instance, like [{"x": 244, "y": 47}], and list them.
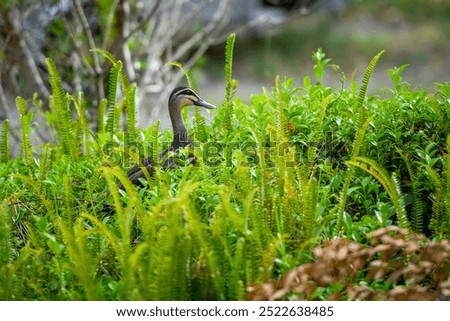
[
  {"x": 350, "y": 32},
  {"x": 274, "y": 37}
]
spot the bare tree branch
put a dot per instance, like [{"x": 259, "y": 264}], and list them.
[
  {"x": 79, "y": 48},
  {"x": 91, "y": 43},
  {"x": 109, "y": 24},
  {"x": 12, "y": 21},
  {"x": 144, "y": 21},
  {"x": 122, "y": 50}
]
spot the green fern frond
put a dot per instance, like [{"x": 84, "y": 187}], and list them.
[
  {"x": 131, "y": 113},
  {"x": 200, "y": 131},
  {"x": 106, "y": 54},
  {"x": 60, "y": 106},
  {"x": 114, "y": 61},
  {"x": 363, "y": 90},
  {"x": 125, "y": 216},
  {"x": 235, "y": 284},
  {"x": 113, "y": 113},
  {"x": 417, "y": 213},
  {"x": 229, "y": 49},
  {"x": 302, "y": 177},
  {"x": 282, "y": 132},
  {"x": 25, "y": 125},
  {"x": 309, "y": 196},
  {"x": 58, "y": 92},
  {"x": 45, "y": 161},
  {"x": 154, "y": 141},
  {"x": 231, "y": 84},
  {"x": 82, "y": 120},
  {"x": 438, "y": 207},
  {"x": 359, "y": 140},
  {"x": 399, "y": 204},
  {"x": 68, "y": 200},
  {"x": 438, "y": 212},
  {"x": 360, "y": 136},
  {"x": 281, "y": 138},
  {"x": 440, "y": 219},
  {"x": 8, "y": 277},
  {"x": 5, "y": 147},
  {"x": 83, "y": 263},
  {"x": 261, "y": 198},
  {"x": 446, "y": 179},
  {"x": 390, "y": 184},
  {"x": 187, "y": 73},
  {"x": 101, "y": 114}
]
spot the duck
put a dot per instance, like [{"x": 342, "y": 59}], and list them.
[{"x": 179, "y": 98}]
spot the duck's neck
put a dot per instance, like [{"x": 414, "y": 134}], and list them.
[{"x": 180, "y": 134}]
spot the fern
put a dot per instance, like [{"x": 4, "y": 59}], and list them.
[
  {"x": 282, "y": 132},
  {"x": 114, "y": 61},
  {"x": 117, "y": 80},
  {"x": 440, "y": 219},
  {"x": 205, "y": 232},
  {"x": 84, "y": 264},
  {"x": 101, "y": 115},
  {"x": 6, "y": 256},
  {"x": 235, "y": 285},
  {"x": 363, "y": 90},
  {"x": 113, "y": 113},
  {"x": 229, "y": 49},
  {"x": 261, "y": 198},
  {"x": 82, "y": 120},
  {"x": 187, "y": 73},
  {"x": 154, "y": 142},
  {"x": 390, "y": 184},
  {"x": 45, "y": 161},
  {"x": 362, "y": 124},
  {"x": 25, "y": 125},
  {"x": 417, "y": 202},
  {"x": 446, "y": 179},
  {"x": 117, "y": 77},
  {"x": 438, "y": 209},
  {"x": 106, "y": 54},
  {"x": 231, "y": 84},
  {"x": 309, "y": 205},
  {"x": 59, "y": 104},
  {"x": 131, "y": 113},
  {"x": 359, "y": 139},
  {"x": 5, "y": 147},
  {"x": 200, "y": 128}
]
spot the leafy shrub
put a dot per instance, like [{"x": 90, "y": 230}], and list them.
[{"x": 275, "y": 178}]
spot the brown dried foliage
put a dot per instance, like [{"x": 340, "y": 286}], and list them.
[{"x": 415, "y": 267}]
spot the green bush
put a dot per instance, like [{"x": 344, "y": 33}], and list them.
[{"x": 274, "y": 178}]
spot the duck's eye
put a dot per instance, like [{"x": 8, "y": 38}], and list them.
[{"x": 189, "y": 93}]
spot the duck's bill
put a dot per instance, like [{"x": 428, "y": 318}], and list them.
[{"x": 202, "y": 103}]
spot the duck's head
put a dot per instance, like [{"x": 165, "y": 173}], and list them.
[{"x": 185, "y": 96}]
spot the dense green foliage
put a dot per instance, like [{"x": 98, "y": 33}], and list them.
[{"x": 274, "y": 178}]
